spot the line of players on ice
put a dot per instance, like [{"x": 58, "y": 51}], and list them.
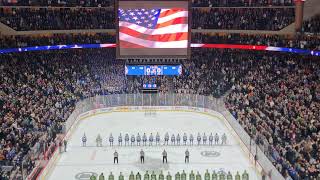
[
  {"x": 183, "y": 176},
  {"x": 175, "y": 140}
]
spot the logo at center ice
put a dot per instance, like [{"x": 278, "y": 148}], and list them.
[
  {"x": 210, "y": 153},
  {"x": 85, "y": 175}
]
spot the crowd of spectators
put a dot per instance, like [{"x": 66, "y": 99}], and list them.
[
  {"x": 107, "y": 3},
  {"x": 275, "y": 97},
  {"x": 241, "y": 3},
  {"x": 58, "y": 3},
  {"x": 299, "y": 41},
  {"x": 38, "y": 92},
  {"x": 278, "y": 101},
  {"x": 312, "y": 25},
  {"x": 242, "y": 18},
  {"x": 56, "y": 39},
  {"x": 27, "y": 19}
]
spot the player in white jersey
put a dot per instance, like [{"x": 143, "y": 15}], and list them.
[
  {"x": 144, "y": 139},
  {"x": 133, "y": 139},
  {"x": 216, "y": 138},
  {"x": 199, "y": 139},
  {"x": 111, "y": 139},
  {"x": 191, "y": 139},
  {"x": 126, "y": 139},
  {"x": 166, "y": 139},
  {"x": 99, "y": 141},
  {"x": 210, "y": 139},
  {"x": 120, "y": 140},
  {"x": 224, "y": 139},
  {"x": 84, "y": 140},
  {"x": 157, "y": 139},
  {"x": 150, "y": 139},
  {"x": 173, "y": 139},
  {"x": 178, "y": 139},
  {"x": 204, "y": 139},
  {"x": 184, "y": 138},
  {"x": 138, "y": 139}
]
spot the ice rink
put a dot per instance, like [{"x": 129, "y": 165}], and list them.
[{"x": 77, "y": 160}]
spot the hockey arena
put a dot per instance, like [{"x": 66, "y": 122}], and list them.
[{"x": 80, "y": 162}]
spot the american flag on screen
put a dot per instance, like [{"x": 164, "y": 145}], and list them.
[{"x": 153, "y": 28}]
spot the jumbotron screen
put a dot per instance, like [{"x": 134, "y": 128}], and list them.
[{"x": 153, "y": 28}]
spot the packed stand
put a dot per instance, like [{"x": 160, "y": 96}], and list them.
[
  {"x": 242, "y": 18},
  {"x": 278, "y": 103},
  {"x": 312, "y": 25},
  {"x": 58, "y": 3},
  {"x": 38, "y": 92},
  {"x": 300, "y": 41},
  {"x": 241, "y": 3},
  {"x": 27, "y": 19},
  {"x": 56, "y": 39}
]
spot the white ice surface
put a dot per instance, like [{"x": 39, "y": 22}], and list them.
[{"x": 79, "y": 159}]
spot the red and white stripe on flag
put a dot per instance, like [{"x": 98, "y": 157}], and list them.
[{"x": 171, "y": 31}]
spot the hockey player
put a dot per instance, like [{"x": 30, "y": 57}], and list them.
[
  {"x": 177, "y": 176},
  {"x": 224, "y": 139},
  {"x": 126, "y": 139},
  {"x": 111, "y": 176},
  {"x": 131, "y": 176},
  {"x": 214, "y": 175},
  {"x": 191, "y": 176},
  {"x": 142, "y": 156},
  {"x": 178, "y": 139},
  {"x": 191, "y": 139},
  {"x": 157, "y": 139},
  {"x": 144, "y": 139},
  {"x": 245, "y": 175},
  {"x": 204, "y": 139},
  {"x": 229, "y": 176},
  {"x": 84, "y": 140},
  {"x": 133, "y": 139},
  {"x": 138, "y": 139},
  {"x": 173, "y": 140},
  {"x": 210, "y": 139},
  {"x": 183, "y": 175},
  {"x": 216, "y": 138},
  {"x": 99, "y": 141},
  {"x": 199, "y": 139},
  {"x": 121, "y": 176},
  {"x": 146, "y": 176},
  {"x": 161, "y": 176},
  {"x": 115, "y": 157},
  {"x": 207, "y": 175},
  {"x": 101, "y": 177},
  {"x": 237, "y": 176},
  {"x": 185, "y": 138},
  {"x": 93, "y": 177},
  {"x": 186, "y": 158},
  {"x": 111, "y": 139},
  {"x": 166, "y": 139},
  {"x": 150, "y": 139},
  {"x": 198, "y": 176},
  {"x": 153, "y": 176},
  {"x": 60, "y": 147},
  {"x": 65, "y": 145},
  {"x": 169, "y": 177},
  {"x": 222, "y": 176},
  {"x": 164, "y": 156},
  {"x": 120, "y": 140},
  {"x": 138, "y": 176}
]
